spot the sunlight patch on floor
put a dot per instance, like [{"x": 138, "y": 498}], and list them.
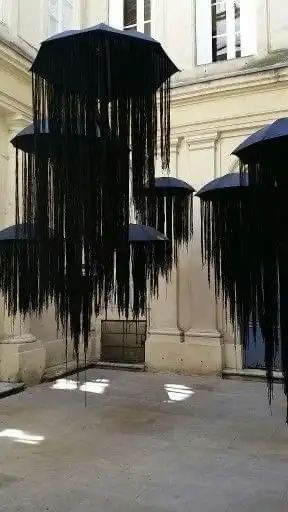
[
  {"x": 65, "y": 384},
  {"x": 177, "y": 392},
  {"x": 19, "y": 436},
  {"x": 97, "y": 386}
]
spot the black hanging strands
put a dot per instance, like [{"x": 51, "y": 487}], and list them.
[
  {"x": 70, "y": 193},
  {"x": 26, "y": 271},
  {"x": 77, "y": 167},
  {"x": 241, "y": 242},
  {"x": 261, "y": 161},
  {"x": 168, "y": 206},
  {"x": 119, "y": 74}
]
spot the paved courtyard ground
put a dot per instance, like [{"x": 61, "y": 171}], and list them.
[{"x": 147, "y": 443}]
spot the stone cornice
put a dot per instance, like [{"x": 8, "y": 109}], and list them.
[
  {"x": 16, "y": 64},
  {"x": 228, "y": 125},
  {"x": 14, "y": 60},
  {"x": 11, "y": 105},
  {"x": 206, "y": 90}
]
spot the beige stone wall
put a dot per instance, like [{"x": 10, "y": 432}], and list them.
[
  {"x": 209, "y": 120},
  {"x": 213, "y": 108}
]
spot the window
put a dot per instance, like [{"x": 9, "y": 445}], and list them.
[
  {"x": 131, "y": 15},
  {"x": 226, "y": 38},
  {"x": 60, "y": 15},
  {"x": 3, "y": 11},
  {"x": 225, "y": 29}
]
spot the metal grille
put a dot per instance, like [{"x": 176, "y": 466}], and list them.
[{"x": 123, "y": 341}]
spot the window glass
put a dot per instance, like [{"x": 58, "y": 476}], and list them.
[
  {"x": 219, "y": 30},
  {"x": 130, "y": 13}
]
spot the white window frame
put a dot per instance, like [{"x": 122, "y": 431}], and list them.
[
  {"x": 59, "y": 19},
  {"x": 248, "y": 29},
  {"x": 116, "y": 15},
  {"x": 3, "y": 12}
]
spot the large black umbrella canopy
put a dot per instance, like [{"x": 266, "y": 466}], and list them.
[
  {"x": 230, "y": 183},
  {"x": 267, "y": 138},
  {"x": 128, "y": 57},
  {"x": 240, "y": 241}
]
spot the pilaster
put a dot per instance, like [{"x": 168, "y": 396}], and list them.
[{"x": 22, "y": 356}]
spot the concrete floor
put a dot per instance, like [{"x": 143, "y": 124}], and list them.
[{"x": 144, "y": 443}]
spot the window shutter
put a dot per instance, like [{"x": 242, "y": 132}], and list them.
[
  {"x": 203, "y": 31},
  {"x": 116, "y": 13},
  {"x": 248, "y": 27}
]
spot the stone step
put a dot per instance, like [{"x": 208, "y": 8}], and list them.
[{"x": 10, "y": 388}]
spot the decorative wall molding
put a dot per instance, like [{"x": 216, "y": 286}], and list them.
[
  {"x": 16, "y": 122},
  {"x": 174, "y": 144},
  {"x": 11, "y": 57},
  {"x": 11, "y": 105},
  {"x": 203, "y": 140}
]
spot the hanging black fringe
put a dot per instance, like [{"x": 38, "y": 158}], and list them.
[
  {"x": 109, "y": 277},
  {"x": 242, "y": 242},
  {"x": 94, "y": 133},
  {"x": 169, "y": 208}
]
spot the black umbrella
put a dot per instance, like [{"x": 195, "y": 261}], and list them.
[
  {"x": 228, "y": 184},
  {"x": 167, "y": 184},
  {"x": 19, "y": 232},
  {"x": 169, "y": 208},
  {"x": 145, "y": 234},
  {"x": 149, "y": 254},
  {"x": 118, "y": 75},
  {"x": 93, "y": 46},
  {"x": 64, "y": 175},
  {"x": 26, "y": 139},
  {"x": 26, "y": 270},
  {"x": 240, "y": 241},
  {"x": 262, "y": 154},
  {"x": 67, "y": 187}
]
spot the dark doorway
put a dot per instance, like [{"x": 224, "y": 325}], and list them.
[
  {"x": 123, "y": 341},
  {"x": 254, "y": 354}
]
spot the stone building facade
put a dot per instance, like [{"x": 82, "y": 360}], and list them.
[{"x": 234, "y": 79}]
